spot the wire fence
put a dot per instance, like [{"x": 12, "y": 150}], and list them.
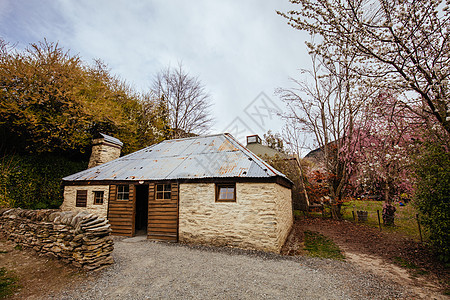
[
  {"x": 405, "y": 220},
  {"x": 387, "y": 221}
]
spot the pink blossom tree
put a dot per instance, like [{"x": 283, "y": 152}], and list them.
[
  {"x": 324, "y": 105},
  {"x": 382, "y": 158}
]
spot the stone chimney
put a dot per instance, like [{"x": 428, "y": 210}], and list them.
[
  {"x": 253, "y": 139},
  {"x": 104, "y": 148}
]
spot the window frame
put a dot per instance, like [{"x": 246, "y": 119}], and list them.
[
  {"x": 102, "y": 198},
  {"x": 218, "y": 186},
  {"x": 123, "y": 192},
  {"x": 164, "y": 191},
  {"x": 79, "y": 201}
]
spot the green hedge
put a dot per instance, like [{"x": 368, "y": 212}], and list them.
[
  {"x": 34, "y": 182},
  {"x": 432, "y": 197}
]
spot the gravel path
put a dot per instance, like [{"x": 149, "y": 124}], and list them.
[{"x": 151, "y": 270}]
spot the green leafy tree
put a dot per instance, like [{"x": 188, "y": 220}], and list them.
[
  {"x": 39, "y": 111},
  {"x": 291, "y": 167},
  {"x": 51, "y": 106},
  {"x": 152, "y": 120},
  {"x": 432, "y": 197},
  {"x": 52, "y": 102},
  {"x": 274, "y": 141}
]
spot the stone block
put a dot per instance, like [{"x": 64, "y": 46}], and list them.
[
  {"x": 260, "y": 218},
  {"x": 69, "y": 203},
  {"x": 57, "y": 238}
]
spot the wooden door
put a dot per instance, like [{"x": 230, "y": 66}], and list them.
[
  {"x": 121, "y": 212},
  {"x": 163, "y": 211}
]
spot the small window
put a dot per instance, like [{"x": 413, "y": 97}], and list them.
[
  {"x": 226, "y": 192},
  {"x": 123, "y": 192},
  {"x": 81, "y": 198},
  {"x": 98, "y": 197},
  {"x": 163, "y": 191}
]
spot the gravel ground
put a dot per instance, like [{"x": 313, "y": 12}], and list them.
[{"x": 151, "y": 270}]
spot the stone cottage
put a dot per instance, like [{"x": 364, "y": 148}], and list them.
[{"x": 206, "y": 189}]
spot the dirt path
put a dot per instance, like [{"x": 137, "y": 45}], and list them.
[
  {"x": 379, "y": 253},
  {"x": 37, "y": 275}
]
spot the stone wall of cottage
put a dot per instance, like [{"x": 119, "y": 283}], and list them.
[
  {"x": 103, "y": 152},
  {"x": 284, "y": 213},
  {"x": 79, "y": 238},
  {"x": 70, "y": 195},
  {"x": 260, "y": 218}
]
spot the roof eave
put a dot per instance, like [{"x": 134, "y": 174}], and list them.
[{"x": 273, "y": 179}]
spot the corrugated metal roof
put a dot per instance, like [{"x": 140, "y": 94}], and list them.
[
  {"x": 111, "y": 139},
  {"x": 263, "y": 150},
  {"x": 213, "y": 156}
]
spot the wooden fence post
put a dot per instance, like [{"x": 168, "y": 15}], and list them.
[
  {"x": 379, "y": 221},
  {"x": 420, "y": 230}
]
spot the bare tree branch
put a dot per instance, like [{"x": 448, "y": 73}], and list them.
[
  {"x": 402, "y": 43},
  {"x": 187, "y": 99}
]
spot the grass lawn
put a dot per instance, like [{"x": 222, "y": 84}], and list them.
[
  {"x": 319, "y": 245},
  {"x": 405, "y": 216}
]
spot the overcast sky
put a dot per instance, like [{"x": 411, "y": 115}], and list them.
[{"x": 241, "y": 50}]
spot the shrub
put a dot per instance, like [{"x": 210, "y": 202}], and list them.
[
  {"x": 8, "y": 283},
  {"x": 34, "y": 182},
  {"x": 432, "y": 171}
]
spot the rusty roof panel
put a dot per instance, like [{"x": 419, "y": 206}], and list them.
[{"x": 198, "y": 157}]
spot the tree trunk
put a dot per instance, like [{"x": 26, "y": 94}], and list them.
[
  {"x": 335, "y": 210},
  {"x": 387, "y": 199},
  {"x": 303, "y": 183}
]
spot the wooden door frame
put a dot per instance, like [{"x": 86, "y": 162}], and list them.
[
  {"x": 135, "y": 203},
  {"x": 154, "y": 202}
]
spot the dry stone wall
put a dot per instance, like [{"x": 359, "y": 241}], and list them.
[{"x": 79, "y": 238}]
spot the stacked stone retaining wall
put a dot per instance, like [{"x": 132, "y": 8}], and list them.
[{"x": 79, "y": 238}]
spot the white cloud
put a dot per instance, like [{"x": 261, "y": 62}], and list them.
[{"x": 237, "y": 48}]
